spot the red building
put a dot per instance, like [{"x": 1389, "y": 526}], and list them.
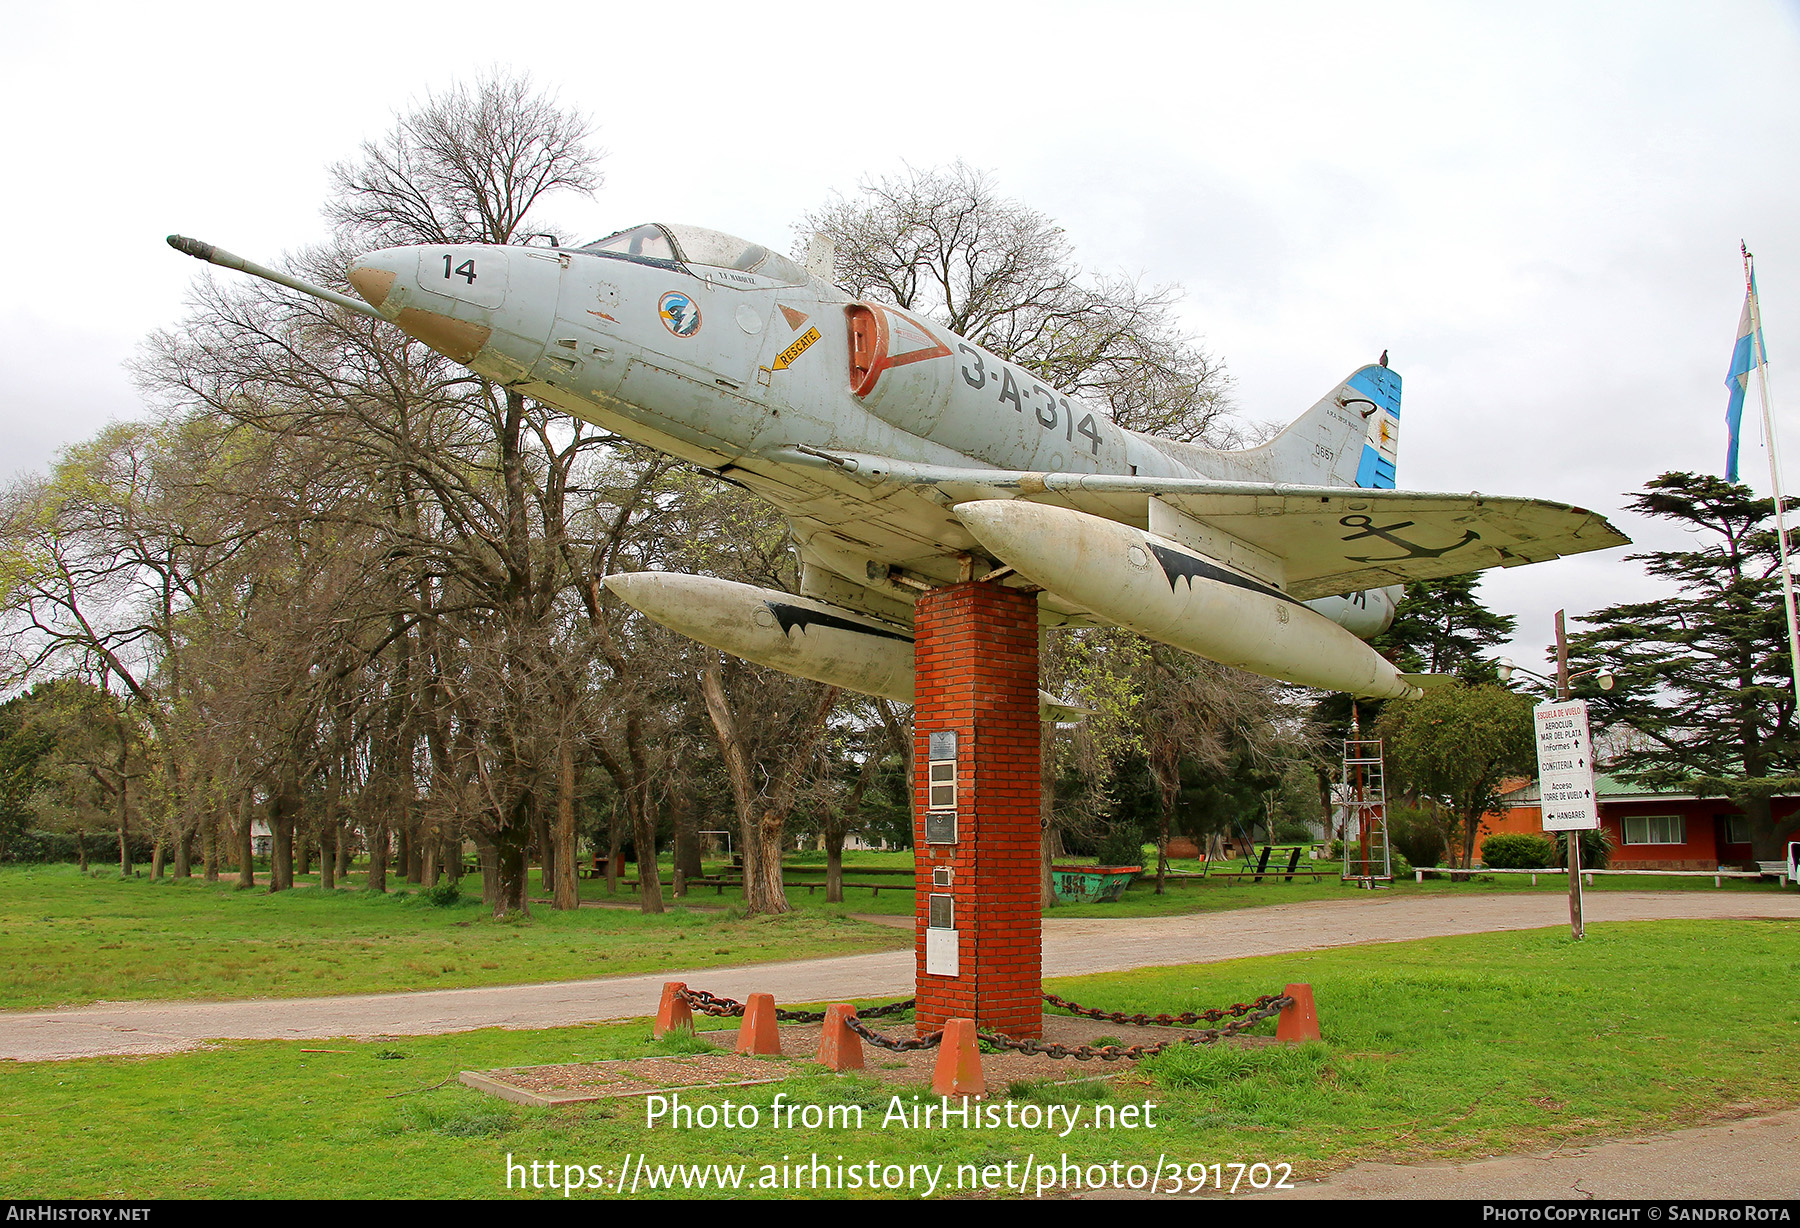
[{"x": 1650, "y": 831}]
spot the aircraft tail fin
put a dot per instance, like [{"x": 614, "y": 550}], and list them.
[{"x": 1350, "y": 438}]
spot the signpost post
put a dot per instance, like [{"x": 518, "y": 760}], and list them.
[
  {"x": 1565, "y": 762},
  {"x": 1566, "y": 784},
  {"x": 1566, "y": 772}
]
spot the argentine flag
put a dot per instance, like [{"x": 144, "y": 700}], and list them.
[{"x": 1746, "y": 356}]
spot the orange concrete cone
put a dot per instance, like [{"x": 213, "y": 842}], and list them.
[
  {"x": 958, "y": 1062},
  {"x": 839, "y": 1047},
  {"x": 673, "y": 1014},
  {"x": 1300, "y": 1021},
  {"x": 758, "y": 1033}
]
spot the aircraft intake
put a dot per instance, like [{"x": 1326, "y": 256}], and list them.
[{"x": 1174, "y": 595}]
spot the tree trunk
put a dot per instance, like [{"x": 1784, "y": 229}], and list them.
[
  {"x": 284, "y": 815},
  {"x": 124, "y": 826},
  {"x": 156, "y": 859},
  {"x": 834, "y": 863},
  {"x": 650, "y": 897},
  {"x": 546, "y": 846},
  {"x": 686, "y": 839},
  {"x": 488, "y": 859},
  {"x": 81, "y": 860},
  {"x": 510, "y": 865},
  {"x": 329, "y": 835},
  {"x": 568, "y": 890},
  {"x": 376, "y": 836},
  {"x": 184, "y": 853},
  {"x": 614, "y": 849},
  {"x": 431, "y": 867},
  {"x": 209, "y": 844},
  {"x": 246, "y": 846}
]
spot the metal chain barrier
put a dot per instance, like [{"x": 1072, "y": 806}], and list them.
[
  {"x": 892, "y": 1044},
  {"x": 1186, "y": 1019},
  {"x": 711, "y": 1004},
  {"x": 1267, "y": 1007},
  {"x": 1239, "y": 1016}
]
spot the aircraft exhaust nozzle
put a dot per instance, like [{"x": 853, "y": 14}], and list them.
[
  {"x": 1173, "y": 594},
  {"x": 797, "y": 635}
]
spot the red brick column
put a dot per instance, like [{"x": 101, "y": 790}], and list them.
[{"x": 976, "y": 675}]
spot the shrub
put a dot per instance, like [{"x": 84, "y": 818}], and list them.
[
  {"x": 443, "y": 895},
  {"x": 1596, "y": 848},
  {"x": 1417, "y": 833},
  {"x": 1517, "y": 851},
  {"x": 1291, "y": 832},
  {"x": 1122, "y": 846}
]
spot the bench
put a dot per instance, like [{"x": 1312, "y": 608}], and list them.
[{"x": 875, "y": 889}]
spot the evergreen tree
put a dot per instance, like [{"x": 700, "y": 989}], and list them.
[
  {"x": 1441, "y": 627},
  {"x": 1704, "y": 674}
]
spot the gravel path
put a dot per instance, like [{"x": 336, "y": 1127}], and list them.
[{"x": 1071, "y": 948}]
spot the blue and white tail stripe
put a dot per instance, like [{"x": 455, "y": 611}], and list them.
[{"x": 1375, "y": 469}]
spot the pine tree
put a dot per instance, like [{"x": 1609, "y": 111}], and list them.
[{"x": 1704, "y": 675}]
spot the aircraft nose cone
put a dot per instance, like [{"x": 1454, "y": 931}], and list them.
[
  {"x": 373, "y": 277},
  {"x": 451, "y": 324}
]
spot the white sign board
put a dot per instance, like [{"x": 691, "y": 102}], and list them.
[{"x": 1565, "y": 766}]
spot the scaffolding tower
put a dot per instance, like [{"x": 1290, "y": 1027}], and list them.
[{"x": 1366, "y": 860}]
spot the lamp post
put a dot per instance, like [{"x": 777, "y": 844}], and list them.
[{"x": 1606, "y": 679}]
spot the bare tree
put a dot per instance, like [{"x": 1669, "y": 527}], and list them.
[{"x": 946, "y": 244}]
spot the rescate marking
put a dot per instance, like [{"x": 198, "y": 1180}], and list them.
[
  {"x": 1386, "y": 533},
  {"x": 795, "y": 317},
  {"x": 786, "y": 358}
]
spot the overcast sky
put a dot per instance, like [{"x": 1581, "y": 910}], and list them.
[{"x": 1535, "y": 208}]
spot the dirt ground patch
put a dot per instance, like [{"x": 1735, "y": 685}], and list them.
[{"x": 594, "y": 1081}]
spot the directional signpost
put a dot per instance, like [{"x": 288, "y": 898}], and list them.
[{"x": 1566, "y": 784}]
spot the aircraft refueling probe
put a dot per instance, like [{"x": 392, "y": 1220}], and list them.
[{"x": 229, "y": 260}]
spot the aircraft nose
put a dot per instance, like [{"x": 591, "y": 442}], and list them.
[
  {"x": 456, "y": 322},
  {"x": 373, "y": 276}
]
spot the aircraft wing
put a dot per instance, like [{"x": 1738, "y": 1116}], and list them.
[{"x": 1329, "y": 539}]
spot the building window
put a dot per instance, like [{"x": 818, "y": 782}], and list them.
[
  {"x": 1737, "y": 829},
  {"x": 1655, "y": 829}
]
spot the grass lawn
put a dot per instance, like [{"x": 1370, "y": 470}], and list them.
[
  {"x": 1183, "y": 895},
  {"x": 1437, "y": 1049},
  {"x": 68, "y": 938}
]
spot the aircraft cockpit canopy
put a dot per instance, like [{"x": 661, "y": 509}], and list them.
[{"x": 695, "y": 246}]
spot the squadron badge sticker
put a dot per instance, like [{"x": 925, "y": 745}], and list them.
[{"x": 679, "y": 315}]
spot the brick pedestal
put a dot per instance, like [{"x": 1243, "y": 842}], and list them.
[{"x": 976, "y": 677}]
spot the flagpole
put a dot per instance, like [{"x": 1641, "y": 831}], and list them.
[{"x": 1760, "y": 361}]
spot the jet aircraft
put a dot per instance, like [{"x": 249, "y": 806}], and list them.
[{"x": 906, "y": 457}]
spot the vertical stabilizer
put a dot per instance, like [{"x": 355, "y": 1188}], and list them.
[{"x": 1350, "y": 438}]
